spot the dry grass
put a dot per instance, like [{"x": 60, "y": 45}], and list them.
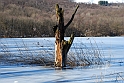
[
  {"x": 79, "y": 55},
  {"x": 83, "y": 55}
]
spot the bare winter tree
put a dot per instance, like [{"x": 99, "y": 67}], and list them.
[{"x": 62, "y": 46}]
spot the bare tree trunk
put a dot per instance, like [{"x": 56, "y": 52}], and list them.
[{"x": 62, "y": 46}]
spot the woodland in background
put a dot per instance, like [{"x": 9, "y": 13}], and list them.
[{"x": 36, "y": 18}]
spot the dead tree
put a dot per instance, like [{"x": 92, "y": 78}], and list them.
[{"x": 62, "y": 46}]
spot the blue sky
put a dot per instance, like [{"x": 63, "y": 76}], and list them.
[{"x": 96, "y": 1}]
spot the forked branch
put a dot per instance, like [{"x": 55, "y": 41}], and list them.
[{"x": 72, "y": 17}]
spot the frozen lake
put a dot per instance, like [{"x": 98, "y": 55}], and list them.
[{"x": 111, "y": 49}]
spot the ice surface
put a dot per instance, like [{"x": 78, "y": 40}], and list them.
[{"x": 112, "y": 72}]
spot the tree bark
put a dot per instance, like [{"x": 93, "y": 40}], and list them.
[{"x": 62, "y": 46}]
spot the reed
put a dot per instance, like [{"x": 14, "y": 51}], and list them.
[
  {"x": 84, "y": 56},
  {"x": 117, "y": 77},
  {"x": 41, "y": 54}
]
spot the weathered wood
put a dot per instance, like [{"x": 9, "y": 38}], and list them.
[{"x": 62, "y": 46}]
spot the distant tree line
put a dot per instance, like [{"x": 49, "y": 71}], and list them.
[
  {"x": 35, "y": 18},
  {"x": 14, "y": 27}
]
